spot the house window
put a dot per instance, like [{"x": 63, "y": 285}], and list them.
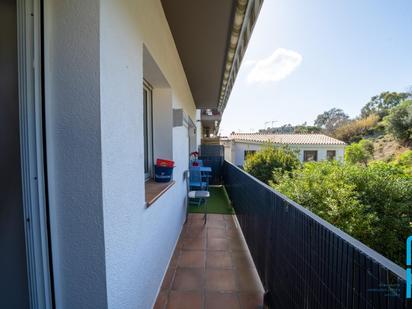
[
  {"x": 331, "y": 155},
  {"x": 310, "y": 155},
  {"x": 249, "y": 153},
  {"x": 148, "y": 130}
]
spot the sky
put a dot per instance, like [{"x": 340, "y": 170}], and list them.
[{"x": 306, "y": 57}]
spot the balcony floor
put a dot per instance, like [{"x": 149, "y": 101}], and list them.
[{"x": 211, "y": 268}]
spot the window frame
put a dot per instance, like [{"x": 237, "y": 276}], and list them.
[
  {"x": 330, "y": 157},
  {"x": 32, "y": 126},
  {"x": 148, "y": 129},
  {"x": 247, "y": 153},
  {"x": 306, "y": 152}
]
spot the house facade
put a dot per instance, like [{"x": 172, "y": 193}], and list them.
[
  {"x": 95, "y": 91},
  {"x": 309, "y": 147}
]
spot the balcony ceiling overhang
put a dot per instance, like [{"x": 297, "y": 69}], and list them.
[{"x": 211, "y": 38}]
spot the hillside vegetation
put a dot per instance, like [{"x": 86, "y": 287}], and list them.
[
  {"x": 385, "y": 121},
  {"x": 387, "y": 148},
  {"x": 369, "y": 195}
]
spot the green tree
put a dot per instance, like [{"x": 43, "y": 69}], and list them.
[
  {"x": 270, "y": 162},
  {"x": 361, "y": 152},
  {"x": 382, "y": 103},
  {"x": 305, "y": 129},
  {"x": 372, "y": 203},
  {"x": 399, "y": 122},
  {"x": 331, "y": 119}
]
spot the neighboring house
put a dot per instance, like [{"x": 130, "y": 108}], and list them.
[
  {"x": 310, "y": 147},
  {"x": 93, "y": 92}
]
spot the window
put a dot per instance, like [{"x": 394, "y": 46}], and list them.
[
  {"x": 249, "y": 153},
  {"x": 310, "y": 155},
  {"x": 331, "y": 155},
  {"x": 148, "y": 130}
]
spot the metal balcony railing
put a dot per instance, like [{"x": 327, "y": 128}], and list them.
[{"x": 305, "y": 262}]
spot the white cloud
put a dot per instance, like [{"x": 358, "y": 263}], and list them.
[
  {"x": 276, "y": 67},
  {"x": 248, "y": 63}
]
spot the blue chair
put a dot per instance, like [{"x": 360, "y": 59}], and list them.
[{"x": 196, "y": 179}]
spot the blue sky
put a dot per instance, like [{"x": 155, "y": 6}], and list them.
[{"x": 306, "y": 57}]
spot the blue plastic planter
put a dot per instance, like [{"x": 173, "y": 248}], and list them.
[{"x": 163, "y": 174}]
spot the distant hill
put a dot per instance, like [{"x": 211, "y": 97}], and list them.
[{"x": 386, "y": 148}]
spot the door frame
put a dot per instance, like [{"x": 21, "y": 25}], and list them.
[{"x": 34, "y": 193}]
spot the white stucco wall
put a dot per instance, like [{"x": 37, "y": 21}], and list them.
[
  {"x": 74, "y": 157},
  {"x": 238, "y": 150},
  {"x": 109, "y": 250}
]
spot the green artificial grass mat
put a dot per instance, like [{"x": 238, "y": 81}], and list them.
[{"x": 217, "y": 203}]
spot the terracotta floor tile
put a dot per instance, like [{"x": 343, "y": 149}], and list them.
[
  {"x": 216, "y": 233},
  {"x": 192, "y": 259},
  {"x": 185, "y": 300},
  {"x": 251, "y": 300},
  {"x": 175, "y": 257},
  {"x": 194, "y": 217},
  {"x": 161, "y": 300},
  {"x": 215, "y": 217},
  {"x": 217, "y": 244},
  {"x": 179, "y": 243},
  {"x": 216, "y": 300},
  {"x": 220, "y": 223},
  {"x": 218, "y": 259},
  {"x": 209, "y": 267},
  {"x": 194, "y": 232},
  {"x": 168, "y": 279},
  {"x": 188, "y": 279},
  {"x": 237, "y": 244},
  {"x": 231, "y": 224},
  {"x": 233, "y": 232},
  {"x": 248, "y": 280},
  {"x": 197, "y": 223},
  {"x": 241, "y": 259},
  {"x": 198, "y": 243},
  {"x": 235, "y": 237},
  {"x": 220, "y": 280}
]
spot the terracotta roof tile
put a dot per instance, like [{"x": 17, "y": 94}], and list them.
[{"x": 289, "y": 139}]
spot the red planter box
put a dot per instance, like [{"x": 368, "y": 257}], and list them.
[{"x": 165, "y": 163}]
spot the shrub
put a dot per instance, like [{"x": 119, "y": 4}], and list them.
[
  {"x": 271, "y": 161},
  {"x": 385, "y": 193},
  {"x": 322, "y": 188},
  {"x": 399, "y": 122},
  {"x": 404, "y": 160},
  {"x": 361, "y": 152},
  {"x": 372, "y": 203},
  {"x": 355, "y": 130}
]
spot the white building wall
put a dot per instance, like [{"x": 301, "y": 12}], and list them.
[
  {"x": 239, "y": 148},
  {"x": 109, "y": 249},
  {"x": 74, "y": 157}
]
